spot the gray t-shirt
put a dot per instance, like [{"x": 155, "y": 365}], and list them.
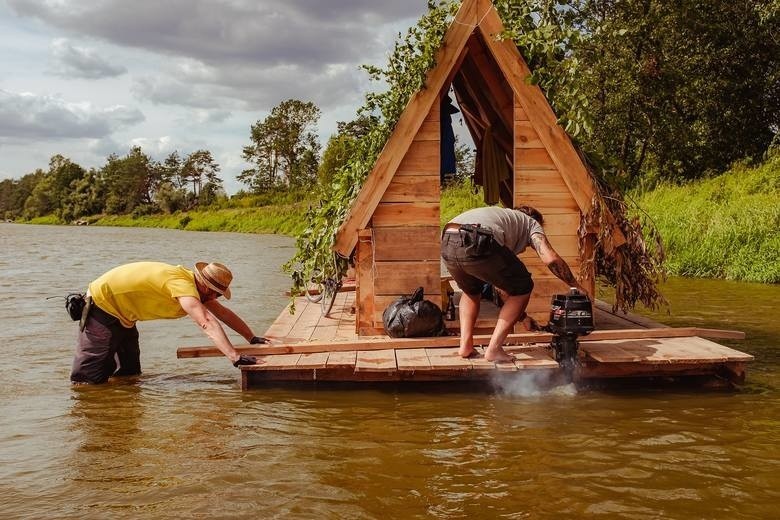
[{"x": 511, "y": 228}]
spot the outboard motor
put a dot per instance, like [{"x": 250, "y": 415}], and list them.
[{"x": 571, "y": 316}]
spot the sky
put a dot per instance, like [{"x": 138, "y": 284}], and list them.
[{"x": 87, "y": 78}]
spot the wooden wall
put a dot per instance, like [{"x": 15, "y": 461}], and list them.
[
  {"x": 401, "y": 251},
  {"x": 538, "y": 183}
]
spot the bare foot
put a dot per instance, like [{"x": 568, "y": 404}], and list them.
[
  {"x": 466, "y": 352},
  {"x": 498, "y": 356}
]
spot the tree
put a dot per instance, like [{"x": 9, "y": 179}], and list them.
[
  {"x": 670, "y": 88},
  {"x": 284, "y": 147},
  {"x": 200, "y": 167},
  {"x": 130, "y": 180},
  {"x": 51, "y": 194}
]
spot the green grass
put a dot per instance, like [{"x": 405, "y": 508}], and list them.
[
  {"x": 46, "y": 220},
  {"x": 459, "y": 197},
  {"x": 283, "y": 219},
  {"x": 724, "y": 227}
]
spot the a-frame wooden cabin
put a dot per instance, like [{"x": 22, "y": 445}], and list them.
[{"x": 395, "y": 220}]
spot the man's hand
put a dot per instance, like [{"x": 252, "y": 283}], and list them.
[
  {"x": 243, "y": 359},
  {"x": 257, "y": 340}
]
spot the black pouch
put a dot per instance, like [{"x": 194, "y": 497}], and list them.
[
  {"x": 74, "y": 304},
  {"x": 478, "y": 241}
]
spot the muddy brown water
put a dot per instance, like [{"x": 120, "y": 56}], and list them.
[{"x": 183, "y": 441}]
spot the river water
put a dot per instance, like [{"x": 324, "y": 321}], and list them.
[{"x": 183, "y": 441}]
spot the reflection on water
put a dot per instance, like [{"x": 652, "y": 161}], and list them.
[{"x": 183, "y": 441}]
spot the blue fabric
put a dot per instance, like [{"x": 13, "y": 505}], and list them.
[{"x": 447, "y": 153}]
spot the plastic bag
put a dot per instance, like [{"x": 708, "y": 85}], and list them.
[{"x": 413, "y": 317}]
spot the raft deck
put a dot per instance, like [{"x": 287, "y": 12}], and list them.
[{"x": 327, "y": 348}]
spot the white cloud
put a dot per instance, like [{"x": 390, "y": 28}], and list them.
[
  {"x": 29, "y": 116},
  {"x": 71, "y": 61}
]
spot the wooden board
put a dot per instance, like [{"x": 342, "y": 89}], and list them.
[
  {"x": 375, "y": 361},
  {"x": 346, "y": 359},
  {"x": 447, "y": 359},
  {"x": 413, "y": 188},
  {"x": 407, "y": 243},
  {"x": 412, "y": 359},
  {"x": 406, "y": 214},
  {"x": 422, "y": 157},
  {"x": 402, "y": 278},
  {"x": 314, "y": 360},
  {"x": 665, "y": 351}
]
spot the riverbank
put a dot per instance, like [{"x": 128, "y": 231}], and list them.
[
  {"x": 724, "y": 227},
  {"x": 285, "y": 219}
]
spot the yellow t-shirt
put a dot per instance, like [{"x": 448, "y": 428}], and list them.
[{"x": 143, "y": 291}]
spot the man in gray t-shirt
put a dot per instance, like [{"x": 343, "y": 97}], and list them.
[{"x": 481, "y": 246}]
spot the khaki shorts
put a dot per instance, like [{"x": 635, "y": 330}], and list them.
[{"x": 497, "y": 266}]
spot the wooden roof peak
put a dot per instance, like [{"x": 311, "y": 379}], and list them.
[{"x": 473, "y": 16}]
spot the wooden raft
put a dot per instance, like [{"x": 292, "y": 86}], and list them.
[{"x": 310, "y": 347}]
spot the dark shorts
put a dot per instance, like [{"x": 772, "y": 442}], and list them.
[
  {"x": 103, "y": 346},
  {"x": 497, "y": 266}
]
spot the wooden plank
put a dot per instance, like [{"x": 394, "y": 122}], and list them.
[
  {"x": 547, "y": 203},
  {"x": 532, "y": 357},
  {"x": 540, "y": 181},
  {"x": 413, "y": 188},
  {"x": 412, "y": 359},
  {"x": 429, "y": 131},
  {"x": 375, "y": 361},
  {"x": 533, "y": 159},
  {"x": 277, "y": 362},
  {"x": 345, "y": 359},
  {"x": 422, "y": 157},
  {"x": 450, "y": 341},
  {"x": 406, "y": 214},
  {"x": 447, "y": 359},
  {"x": 397, "y": 278},
  {"x": 364, "y": 269},
  {"x": 313, "y": 360},
  {"x": 716, "y": 350},
  {"x": 306, "y": 324},
  {"x": 526, "y": 136},
  {"x": 407, "y": 243},
  {"x": 662, "y": 350},
  {"x": 479, "y": 362},
  {"x": 419, "y": 106},
  {"x": 285, "y": 322}
]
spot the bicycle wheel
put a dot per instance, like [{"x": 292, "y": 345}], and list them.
[
  {"x": 328, "y": 296},
  {"x": 313, "y": 289}
]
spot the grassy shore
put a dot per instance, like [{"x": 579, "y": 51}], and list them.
[
  {"x": 724, "y": 227},
  {"x": 276, "y": 219}
]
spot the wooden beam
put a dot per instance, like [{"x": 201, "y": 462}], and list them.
[
  {"x": 451, "y": 341},
  {"x": 407, "y": 127}
]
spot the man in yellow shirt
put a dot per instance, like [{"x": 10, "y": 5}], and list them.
[{"x": 108, "y": 342}]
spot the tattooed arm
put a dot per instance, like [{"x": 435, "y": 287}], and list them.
[{"x": 554, "y": 262}]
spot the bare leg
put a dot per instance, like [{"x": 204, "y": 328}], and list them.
[
  {"x": 507, "y": 317},
  {"x": 467, "y": 313}
]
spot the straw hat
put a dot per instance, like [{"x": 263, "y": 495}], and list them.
[{"x": 215, "y": 276}]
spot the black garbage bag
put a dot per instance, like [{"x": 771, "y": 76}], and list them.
[{"x": 413, "y": 317}]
